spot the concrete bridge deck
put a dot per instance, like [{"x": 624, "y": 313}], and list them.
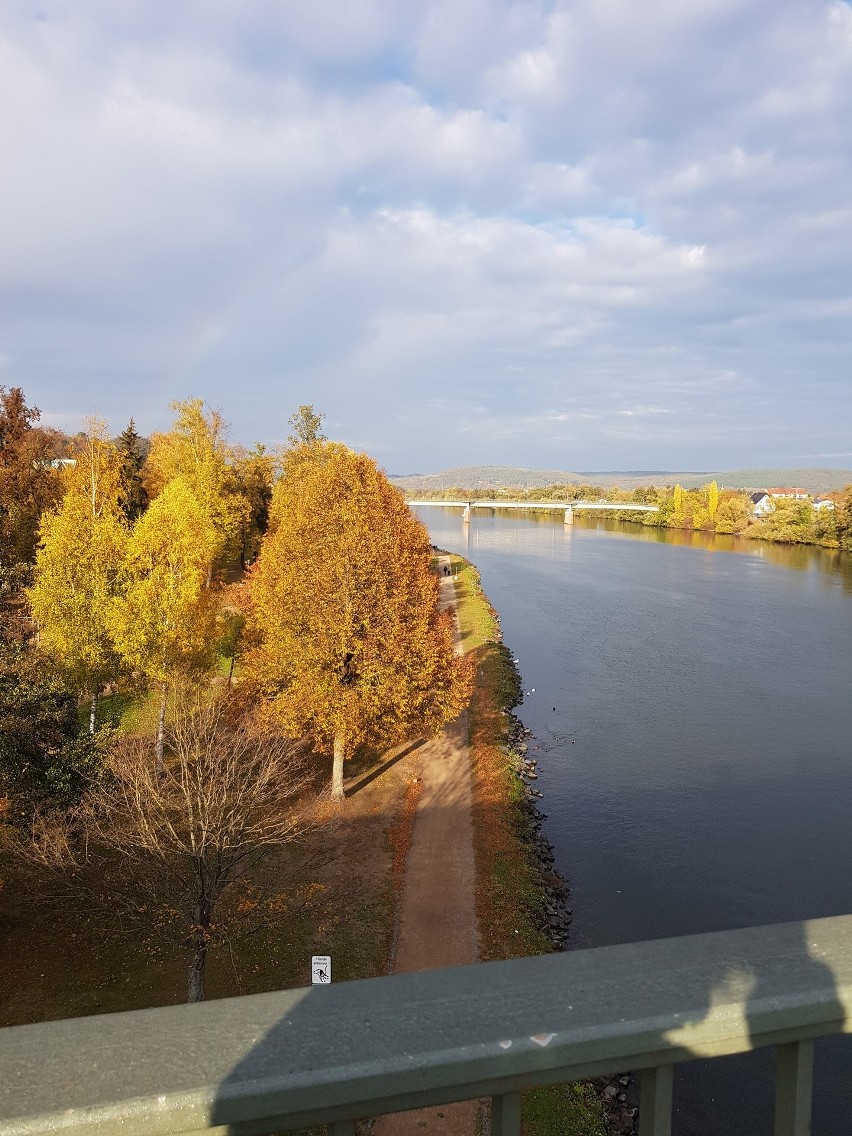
[{"x": 561, "y": 506}]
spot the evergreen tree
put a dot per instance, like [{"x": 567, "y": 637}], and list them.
[
  {"x": 134, "y": 499},
  {"x": 46, "y": 760}
]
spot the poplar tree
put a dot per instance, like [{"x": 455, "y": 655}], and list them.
[
  {"x": 80, "y": 553},
  {"x": 163, "y": 621},
  {"x": 712, "y": 500},
  {"x": 350, "y": 646}
]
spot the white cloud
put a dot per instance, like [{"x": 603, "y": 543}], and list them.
[{"x": 548, "y": 217}]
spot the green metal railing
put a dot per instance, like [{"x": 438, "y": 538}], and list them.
[{"x": 331, "y": 1055}]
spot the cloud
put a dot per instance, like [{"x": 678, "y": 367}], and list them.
[{"x": 482, "y": 230}]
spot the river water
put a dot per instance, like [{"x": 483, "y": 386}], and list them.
[{"x": 705, "y": 682}]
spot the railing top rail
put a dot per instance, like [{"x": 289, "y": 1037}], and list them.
[{"x": 384, "y": 1044}]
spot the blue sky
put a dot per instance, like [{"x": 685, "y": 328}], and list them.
[{"x": 590, "y": 235}]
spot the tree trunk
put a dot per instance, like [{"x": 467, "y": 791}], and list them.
[
  {"x": 337, "y": 769},
  {"x": 231, "y": 670},
  {"x": 161, "y": 725},
  {"x": 92, "y": 709},
  {"x": 195, "y": 989}
]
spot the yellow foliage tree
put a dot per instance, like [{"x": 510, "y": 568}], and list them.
[
  {"x": 163, "y": 619},
  {"x": 253, "y": 472},
  {"x": 712, "y": 499},
  {"x": 196, "y": 450},
  {"x": 80, "y": 552},
  {"x": 350, "y": 646}
]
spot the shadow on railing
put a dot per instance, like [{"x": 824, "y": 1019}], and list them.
[{"x": 331, "y": 1055}]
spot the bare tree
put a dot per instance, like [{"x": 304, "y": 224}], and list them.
[{"x": 185, "y": 834}]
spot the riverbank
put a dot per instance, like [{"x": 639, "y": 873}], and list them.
[
  {"x": 789, "y": 523},
  {"x": 522, "y": 902}
]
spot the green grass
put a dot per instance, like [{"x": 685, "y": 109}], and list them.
[
  {"x": 562, "y": 1110},
  {"x": 476, "y": 618}
]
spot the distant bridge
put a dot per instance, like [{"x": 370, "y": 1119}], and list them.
[{"x": 566, "y": 507}]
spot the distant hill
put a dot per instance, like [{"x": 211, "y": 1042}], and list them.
[
  {"x": 486, "y": 477},
  {"x": 514, "y": 477}
]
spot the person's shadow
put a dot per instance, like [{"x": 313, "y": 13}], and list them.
[{"x": 407, "y": 1041}]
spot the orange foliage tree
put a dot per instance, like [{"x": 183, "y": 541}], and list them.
[{"x": 349, "y": 646}]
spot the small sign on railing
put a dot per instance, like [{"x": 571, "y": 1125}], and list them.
[{"x": 320, "y": 969}]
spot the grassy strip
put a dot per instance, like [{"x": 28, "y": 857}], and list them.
[{"x": 509, "y": 896}]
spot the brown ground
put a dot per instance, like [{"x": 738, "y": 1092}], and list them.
[{"x": 437, "y": 918}]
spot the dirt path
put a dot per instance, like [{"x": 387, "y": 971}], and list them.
[{"x": 437, "y": 921}]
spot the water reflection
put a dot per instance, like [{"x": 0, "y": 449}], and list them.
[{"x": 830, "y": 562}]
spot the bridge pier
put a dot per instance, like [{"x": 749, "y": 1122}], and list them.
[
  {"x": 466, "y": 513},
  {"x": 569, "y": 516}
]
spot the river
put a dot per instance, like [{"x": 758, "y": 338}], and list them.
[{"x": 705, "y": 682}]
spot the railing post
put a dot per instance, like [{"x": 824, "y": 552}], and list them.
[
  {"x": 506, "y": 1114},
  {"x": 794, "y": 1067},
  {"x": 655, "y": 1101}
]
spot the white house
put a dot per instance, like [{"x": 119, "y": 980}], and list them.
[
  {"x": 823, "y": 503},
  {"x": 761, "y": 504}
]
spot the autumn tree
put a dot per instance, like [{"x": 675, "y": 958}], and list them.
[
  {"x": 303, "y": 444},
  {"x": 790, "y": 522},
  {"x": 196, "y": 450},
  {"x": 844, "y": 520},
  {"x": 134, "y": 498},
  {"x": 163, "y": 622},
  {"x": 350, "y": 646},
  {"x": 306, "y": 425},
  {"x": 678, "y": 500},
  {"x": 253, "y": 472},
  {"x": 190, "y": 832},
  {"x": 734, "y": 512},
  {"x": 712, "y": 500},
  {"x": 28, "y": 485},
  {"x": 80, "y": 552}
]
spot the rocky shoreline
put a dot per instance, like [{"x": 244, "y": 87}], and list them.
[{"x": 619, "y": 1093}]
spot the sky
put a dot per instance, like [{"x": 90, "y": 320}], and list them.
[{"x": 604, "y": 234}]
